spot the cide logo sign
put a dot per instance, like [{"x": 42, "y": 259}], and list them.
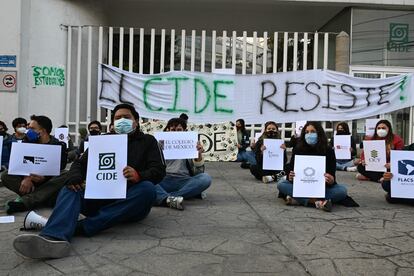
[
  {"x": 406, "y": 167},
  {"x": 107, "y": 162},
  {"x": 374, "y": 157}
]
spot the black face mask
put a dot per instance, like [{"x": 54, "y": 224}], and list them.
[
  {"x": 271, "y": 134},
  {"x": 94, "y": 132},
  {"x": 340, "y": 132}
]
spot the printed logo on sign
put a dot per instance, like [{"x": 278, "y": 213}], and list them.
[
  {"x": 374, "y": 156},
  {"x": 107, "y": 161},
  {"x": 406, "y": 167},
  {"x": 398, "y": 41},
  {"x": 309, "y": 173},
  {"x": 61, "y": 136},
  {"x": 374, "y": 153},
  {"x": 28, "y": 159}
]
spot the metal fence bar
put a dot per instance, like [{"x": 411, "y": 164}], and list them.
[
  {"x": 78, "y": 83},
  {"x": 162, "y": 54},
  {"x": 131, "y": 50},
  {"x": 152, "y": 50},
  {"x": 68, "y": 74}
]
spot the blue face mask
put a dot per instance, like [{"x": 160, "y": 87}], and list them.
[
  {"x": 311, "y": 138},
  {"x": 32, "y": 136},
  {"x": 123, "y": 126}
]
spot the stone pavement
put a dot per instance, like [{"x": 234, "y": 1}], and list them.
[{"x": 241, "y": 228}]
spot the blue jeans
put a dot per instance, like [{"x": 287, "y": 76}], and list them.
[
  {"x": 341, "y": 165},
  {"x": 335, "y": 193},
  {"x": 246, "y": 156},
  {"x": 186, "y": 187},
  {"x": 101, "y": 213}
]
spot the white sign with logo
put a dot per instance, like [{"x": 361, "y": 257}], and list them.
[
  {"x": 273, "y": 154},
  {"x": 1, "y": 148},
  {"x": 402, "y": 169},
  {"x": 26, "y": 159},
  {"x": 257, "y": 136},
  {"x": 107, "y": 157},
  {"x": 309, "y": 180},
  {"x": 178, "y": 144},
  {"x": 375, "y": 156},
  {"x": 370, "y": 126},
  {"x": 62, "y": 134},
  {"x": 342, "y": 145},
  {"x": 298, "y": 127}
]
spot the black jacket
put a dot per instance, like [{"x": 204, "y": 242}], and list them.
[
  {"x": 245, "y": 142},
  {"x": 144, "y": 155}
]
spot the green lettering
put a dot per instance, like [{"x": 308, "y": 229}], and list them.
[
  {"x": 177, "y": 93},
  {"x": 46, "y": 71},
  {"x": 37, "y": 81},
  {"x": 206, "y": 90},
  {"x": 218, "y": 95},
  {"x": 36, "y": 71},
  {"x": 145, "y": 92}
]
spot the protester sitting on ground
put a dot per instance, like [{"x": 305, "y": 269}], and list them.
[
  {"x": 184, "y": 117},
  {"x": 383, "y": 131},
  {"x": 36, "y": 190},
  {"x": 313, "y": 141},
  {"x": 349, "y": 165},
  {"x": 271, "y": 131},
  {"x": 243, "y": 142},
  {"x": 94, "y": 128},
  {"x": 5, "y": 148},
  {"x": 19, "y": 126},
  {"x": 145, "y": 168},
  {"x": 185, "y": 177}
]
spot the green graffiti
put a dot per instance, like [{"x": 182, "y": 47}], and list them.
[
  {"x": 145, "y": 92},
  {"x": 217, "y": 95},
  {"x": 177, "y": 94},
  {"x": 403, "y": 83},
  {"x": 206, "y": 90},
  {"x": 48, "y": 76}
]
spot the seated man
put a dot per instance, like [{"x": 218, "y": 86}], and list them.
[
  {"x": 185, "y": 178},
  {"x": 94, "y": 128},
  {"x": 19, "y": 126},
  {"x": 36, "y": 190},
  {"x": 145, "y": 168}
]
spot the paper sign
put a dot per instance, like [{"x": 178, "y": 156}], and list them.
[
  {"x": 273, "y": 154},
  {"x": 178, "y": 144},
  {"x": 370, "y": 126},
  {"x": 402, "y": 169},
  {"x": 342, "y": 145},
  {"x": 26, "y": 159},
  {"x": 85, "y": 146},
  {"x": 298, "y": 127},
  {"x": 62, "y": 134},
  {"x": 107, "y": 157},
  {"x": 6, "y": 219},
  {"x": 1, "y": 148},
  {"x": 375, "y": 156},
  {"x": 309, "y": 180}
]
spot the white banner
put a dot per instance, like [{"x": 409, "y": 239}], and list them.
[
  {"x": 375, "y": 156},
  {"x": 273, "y": 154},
  {"x": 178, "y": 144},
  {"x": 26, "y": 159},
  {"x": 107, "y": 157},
  {"x": 291, "y": 96},
  {"x": 402, "y": 169},
  {"x": 309, "y": 180}
]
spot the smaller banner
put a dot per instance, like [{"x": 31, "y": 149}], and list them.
[
  {"x": 342, "y": 145},
  {"x": 107, "y": 157},
  {"x": 48, "y": 76},
  {"x": 219, "y": 140},
  {"x": 309, "y": 180},
  {"x": 375, "y": 156},
  {"x": 402, "y": 169},
  {"x": 178, "y": 144},
  {"x": 273, "y": 154},
  {"x": 62, "y": 134},
  {"x": 26, "y": 159}
]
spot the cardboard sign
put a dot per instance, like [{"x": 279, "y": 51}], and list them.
[{"x": 309, "y": 180}]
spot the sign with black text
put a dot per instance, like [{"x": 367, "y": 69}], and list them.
[
  {"x": 309, "y": 180},
  {"x": 178, "y": 144},
  {"x": 375, "y": 155},
  {"x": 402, "y": 169}
]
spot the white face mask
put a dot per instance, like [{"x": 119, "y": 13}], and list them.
[
  {"x": 382, "y": 132},
  {"x": 21, "y": 130}
]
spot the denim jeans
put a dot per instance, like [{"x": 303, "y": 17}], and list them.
[
  {"x": 100, "y": 214},
  {"x": 186, "y": 187},
  {"x": 341, "y": 165},
  {"x": 246, "y": 156},
  {"x": 335, "y": 193}
]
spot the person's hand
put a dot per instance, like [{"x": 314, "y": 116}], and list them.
[
  {"x": 387, "y": 176},
  {"x": 37, "y": 178},
  {"x": 77, "y": 187},
  {"x": 388, "y": 165},
  {"x": 329, "y": 179},
  {"x": 291, "y": 175},
  {"x": 26, "y": 186},
  {"x": 283, "y": 146},
  {"x": 253, "y": 144},
  {"x": 131, "y": 174},
  {"x": 262, "y": 148},
  {"x": 363, "y": 162}
]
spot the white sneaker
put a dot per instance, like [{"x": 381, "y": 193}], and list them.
[
  {"x": 175, "y": 202},
  {"x": 267, "y": 179},
  {"x": 352, "y": 169},
  {"x": 39, "y": 247}
]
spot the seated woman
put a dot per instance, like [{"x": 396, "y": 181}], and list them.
[
  {"x": 243, "y": 142},
  {"x": 271, "y": 132},
  {"x": 313, "y": 141},
  {"x": 383, "y": 131},
  {"x": 349, "y": 165}
]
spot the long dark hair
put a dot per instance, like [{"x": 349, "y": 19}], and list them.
[
  {"x": 345, "y": 127},
  {"x": 175, "y": 122},
  {"x": 322, "y": 144},
  {"x": 243, "y": 125},
  {"x": 390, "y": 135},
  {"x": 264, "y": 135}
]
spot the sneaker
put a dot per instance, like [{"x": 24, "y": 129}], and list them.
[
  {"x": 40, "y": 247},
  {"x": 203, "y": 195},
  {"x": 290, "y": 201},
  {"x": 352, "y": 169},
  {"x": 325, "y": 205},
  {"x": 280, "y": 175},
  {"x": 267, "y": 179},
  {"x": 175, "y": 202}
]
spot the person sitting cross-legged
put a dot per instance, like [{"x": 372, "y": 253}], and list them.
[
  {"x": 145, "y": 167},
  {"x": 185, "y": 177}
]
